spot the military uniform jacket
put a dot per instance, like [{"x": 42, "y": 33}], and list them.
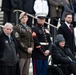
[
  {"x": 41, "y": 39},
  {"x": 24, "y": 39}
]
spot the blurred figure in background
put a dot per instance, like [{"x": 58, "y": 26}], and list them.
[
  {"x": 56, "y": 5},
  {"x": 74, "y": 5},
  {"x": 7, "y": 8},
  {"x": 68, "y": 8},
  {"x": 55, "y": 14}
]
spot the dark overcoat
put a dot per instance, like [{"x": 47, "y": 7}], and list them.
[
  {"x": 68, "y": 35},
  {"x": 26, "y": 5},
  {"x": 61, "y": 55}
]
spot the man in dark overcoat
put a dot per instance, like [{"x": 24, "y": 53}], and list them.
[
  {"x": 8, "y": 51},
  {"x": 66, "y": 29}
]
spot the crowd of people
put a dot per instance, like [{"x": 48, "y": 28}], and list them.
[
  {"x": 60, "y": 8},
  {"x": 19, "y": 43}
]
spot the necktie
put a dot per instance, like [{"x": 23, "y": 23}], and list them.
[
  {"x": 70, "y": 28},
  {"x": 9, "y": 38}
]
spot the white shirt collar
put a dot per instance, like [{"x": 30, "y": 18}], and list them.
[{"x": 67, "y": 24}]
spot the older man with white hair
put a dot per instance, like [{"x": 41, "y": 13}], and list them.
[
  {"x": 8, "y": 28},
  {"x": 8, "y": 51}
]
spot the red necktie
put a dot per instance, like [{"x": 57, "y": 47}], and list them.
[{"x": 70, "y": 28}]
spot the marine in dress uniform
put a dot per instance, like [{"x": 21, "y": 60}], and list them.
[
  {"x": 41, "y": 7},
  {"x": 42, "y": 46}
]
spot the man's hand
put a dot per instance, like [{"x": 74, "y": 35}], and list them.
[
  {"x": 38, "y": 46},
  {"x": 29, "y": 50},
  {"x": 46, "y": 53}
]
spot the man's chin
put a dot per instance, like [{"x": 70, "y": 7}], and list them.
[
  {"x": 69, "y": 22},
  {"x": 7, "y": 34}
]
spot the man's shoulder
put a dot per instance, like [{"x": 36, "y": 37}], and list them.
[
  {"x": 17, "y": 27},
  {"x": 62, "y": 26}
]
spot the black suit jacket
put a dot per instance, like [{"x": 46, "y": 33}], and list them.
[
  {"x": 27, "y": 6},
  {"x": 6, "y": 5},
  {"x": 68, "y": 35}
]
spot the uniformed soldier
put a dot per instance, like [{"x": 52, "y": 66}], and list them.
[
  {"x": 23, "y": 34},
  {"x": 42, "y": 47}
]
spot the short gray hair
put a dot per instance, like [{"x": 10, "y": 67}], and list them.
[{"x": 8, "y": 24}]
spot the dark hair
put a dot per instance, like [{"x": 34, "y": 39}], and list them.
[
  {"x": 25, "y": 14},
  {"x": 68, "y": 14}
]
